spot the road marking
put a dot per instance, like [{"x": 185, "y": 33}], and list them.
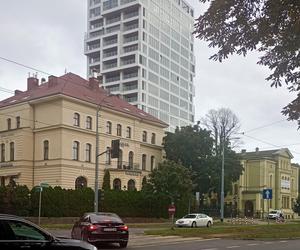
[
  {"x": 210, "y": 249},
  {"x": 283, "y": 241},
  {"x": 268, "y": 242},
  {"x": 252, "y": 244},
  {"x": 233, "y": 247}
]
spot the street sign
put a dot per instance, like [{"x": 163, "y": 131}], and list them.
[
  {"x": 171, "y": 209},
  {"x": 267, "y": 194},
  {"x": 44, "y": 184}
]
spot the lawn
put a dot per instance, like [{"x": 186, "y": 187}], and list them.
[{"x": 272, "y": 231}]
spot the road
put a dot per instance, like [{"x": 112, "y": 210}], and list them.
[{"x": 139, "y": 241}]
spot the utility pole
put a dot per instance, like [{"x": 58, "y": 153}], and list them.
[
  {"x": 97, "y": 162},
  {"x": 222, "y": 180}
]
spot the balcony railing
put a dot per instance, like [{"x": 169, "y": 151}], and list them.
[
  {"x": 131, "y": 39},
  {"x": 110, "y": 4},
  {"x": 130, "y": 75},
  {"x": 93, "y": 46},
  {"x": 129, "y": 61},
  {"x": 94, "y": 60},
  {"x": 127, "y": 165},
  {"x": 112, "y": 79},
  {"x": 131, "y": 27},
  {"x": 126, "y": 1},
  {"x": 110, "y": 42},
  {"x": 130, "y": 87},
  {"x": 131, "y": 14},
  {"x": 113, "y": 20},
  {"x": 109, "y": 54},
  {"x": 130, "y": 48},
  {"x": 109, "y": 66}
]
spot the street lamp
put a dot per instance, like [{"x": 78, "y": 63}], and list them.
[
  {"x": 222, "y": 176},
  {"x": 96, "y": 201}
]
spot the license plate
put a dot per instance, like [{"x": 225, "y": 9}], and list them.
[{"x": 109, "y": 229}]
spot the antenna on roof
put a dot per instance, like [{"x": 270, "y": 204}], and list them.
[{"x": 66, "y": 71}]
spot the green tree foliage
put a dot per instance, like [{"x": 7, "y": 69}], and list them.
[
  {"x": 106, "y": 180},
  {"x": 170, "y": 181},
  {"x": 268, "y": 26}
]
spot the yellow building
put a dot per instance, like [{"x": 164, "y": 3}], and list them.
[
  {"x": 271, "y": 169},
  {"x": 48, "y": 134}
]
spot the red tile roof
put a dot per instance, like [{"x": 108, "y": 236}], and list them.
[{"x": 75, "y": 86}]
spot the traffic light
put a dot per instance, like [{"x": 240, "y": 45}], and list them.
[
  {"x": 115, "y": 148},
  {"x": 101, "y": 194}
]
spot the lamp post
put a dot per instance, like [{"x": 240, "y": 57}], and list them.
[{"x": 96, "y": 199}]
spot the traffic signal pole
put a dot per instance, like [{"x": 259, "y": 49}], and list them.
[{"x": 96, "y": 201}]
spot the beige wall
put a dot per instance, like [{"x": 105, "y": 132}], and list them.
[{"x": 54, "y": 122}]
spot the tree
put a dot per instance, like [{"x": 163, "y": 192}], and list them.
[
  {"x": 106, "y": 180},
  {"x": 268, "y": 26},
  {"x": 222, "y": 123},
  {"x": 170, "y": 181}
]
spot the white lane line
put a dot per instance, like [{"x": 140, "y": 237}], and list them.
[
  {"x": 233, "y": 247},
  {"x": 268, "y": 242},
  {"x": 252, "y": 244},
  {"x": 210, "y": 249},
  {"x": 283, "y": 241}
]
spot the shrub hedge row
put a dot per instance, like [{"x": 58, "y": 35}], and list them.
[{"x": 58, "y": 202}]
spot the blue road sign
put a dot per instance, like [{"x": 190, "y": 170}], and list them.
[{"x": 267, "y": 194}]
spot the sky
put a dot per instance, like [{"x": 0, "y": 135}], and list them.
[{"x": 49, "y": 35}]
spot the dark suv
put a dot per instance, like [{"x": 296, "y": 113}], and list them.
[{"x": 18, "y": 233}]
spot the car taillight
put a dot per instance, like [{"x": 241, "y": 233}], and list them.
[
  {"x": 92, "y": 227},
  {"x": 123, "y": 228}
]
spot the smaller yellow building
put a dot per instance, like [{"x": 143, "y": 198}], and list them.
[
  {"x": 269, "y": 169},
  {"x": 48, "y": 134}
]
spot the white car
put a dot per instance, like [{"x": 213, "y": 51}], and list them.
[{"x": 195, "y": 220}]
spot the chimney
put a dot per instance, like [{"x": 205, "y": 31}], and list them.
[
  {"x": 243, "y": 151},
  {"x": 52, "y": 81},
  {"x": 256, "y": 149},
  {"x": 17, "y": 92},
  {"x": 94, "y": 83},
  {"x": 32, "y": 83}
]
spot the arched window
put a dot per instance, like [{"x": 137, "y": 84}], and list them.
[
  {"x": 12, "y": 151},
  {"x": 117, "y": 184},
  {"x": 88, "y": 152},
  {"x": 2, "y": 152},
  {"x": 144, "y": 160},
  {"x": 131, "y": 185},
  {"x": 80, "y": 182},
  {"x": 89, "y": 122},
  {"x": 108, "y": 156},
  {"x": 75, "y": 151},
  {"x": 46, "y": 150},
  {"x": 152, "y": 162},
  {"x": 108, "y": 127},
  {"x": 128, "y": 132},
  {"x": 119, "y": 130},
  {"x": 120, "y": 159},
  {"x": 76, "y": 119},
  {"x": 130, "y": 160},
  {"x": 18, "y": 122},
  {"x": 8, "y": 124},
  {"x": 153, "y": 138},
  {"x": 144, "y": 136}
]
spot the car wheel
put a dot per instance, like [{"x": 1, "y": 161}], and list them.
[
  {"x": 208, "y": 224},
  {"x": 123, "y": 244},
  {"x": 193, "y": 224}
]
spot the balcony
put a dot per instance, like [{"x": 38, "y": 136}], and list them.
[
  {"x": 130, "y": 48},
  {"x": 130, "y": 75},
  {"x": 95, "y": 25},
  {"x": 130, "y": 86},
  {"x": 127, "y": 1},
  {"x": 131, "y": 27},
  {"x": 94, "y": 2},
  {"x": 112, "y": 29},
  {"x": 110, "y": 53},
  {"x": 112, "y": 79},
  {"x": 107, "y": 5},
  {"x": 129, "y": 39},
  {"x": 94, "y": 60},
  {"x": 109, "y": 65},
  {"x": 108, "y": 42},
  {"x": 127, "y": 60},
  {"x": 128, "y": 165},
  {"x": 131, "y": 14},
  {"x": 113, "y": 20}
]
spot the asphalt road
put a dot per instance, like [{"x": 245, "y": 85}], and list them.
[{"x": 139, "y": 241}]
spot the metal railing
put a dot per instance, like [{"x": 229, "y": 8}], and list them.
[{"x": 127, "y": 165}]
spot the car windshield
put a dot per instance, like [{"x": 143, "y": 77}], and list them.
[
  {"x": 273, "y": 212},
  {"x": 190, "y": 216},
  {"x": 103, "y": 217}
]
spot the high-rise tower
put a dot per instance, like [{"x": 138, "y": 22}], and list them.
[{"x": 143, "y": 50}]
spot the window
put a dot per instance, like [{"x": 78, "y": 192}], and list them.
[
  {"x": 88, "y": 152},
  {"x": 117, "y": 184},
  {"x": 131, "y": 185},
  {"x": 108, "y": 156},
  {"x": 144, "y": 160},
  {"x": 46, "y": 150},
  {"x": 89, "y": 122},
  {"x": 26, "y": 232},
  {"x": 2, "y": 152},
  {"x": 8, "y": 124},
  {"x": 153, "y": 138},
  {"x": 144, "y": 137},
  {"x": 119, "y": 130},
  {"x": 76, "y": 119},
  {"x": 108, "y": 127},
  {"x": 128, "y": 132},
  {"x": 76, "y": 150},
  {"x": 152, "y": 162},
  {"x": 18, "y": 121},
  {"x": 130, "y": 160},
  {"x": 12, "y": 151},
  {"x": 80, "y": 182}
]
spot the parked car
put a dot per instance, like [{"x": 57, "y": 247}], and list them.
[
  {"x": 18, "y": 233},
  {"x": 275, "y": 215},
  {"x": 97, "y": 228},
  {"x": 195, "y": 220}
]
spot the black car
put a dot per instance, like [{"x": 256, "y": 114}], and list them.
[
  {"x": 18, "y": 233},
  {"x": 97, "y": 228}
]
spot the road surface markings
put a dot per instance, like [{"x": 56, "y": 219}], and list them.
[
  {"x": 268, "y": 242},
  {"x": 209, "y": 249},
  {"x": 233, "y": 247},
  {"x": 283, "y": 241},
  {"x": 252, "y": 244}
]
